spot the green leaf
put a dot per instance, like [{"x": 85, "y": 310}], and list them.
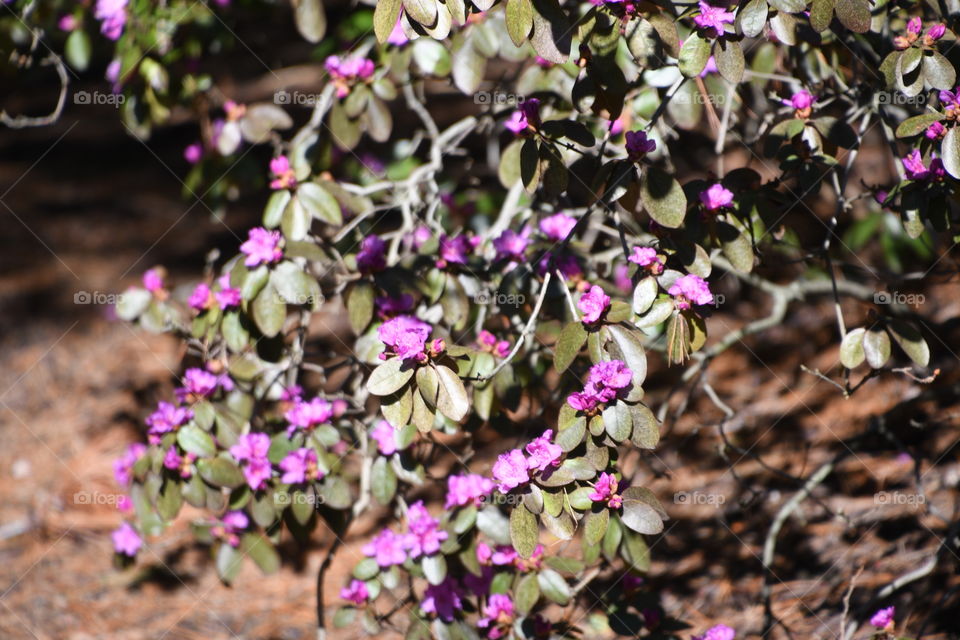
[
  {"x": 360, "y": 305},
  {"x": 526, "y": 593},
  {"x": 366, "y": 569},
  {"x": 569, "y": 438},
  {"x": 663, "y": 197},
  {"x": 452, "y": 399},
  {"x": 195, "y": 440},
  {"x": 519, "y": 19},
  {"x": 646, "y": 428},
  {"x": 530, "y": 164},
  {"x": 423, "y": 11},
  {"x": 220, "y": 472},
  {"x": 595, "y": 526},
  {"x": 694, "y": 55},
  {"x": 432, "y": 57},
  {"x": 170, "y": 500},
  {"x": 918, "y": 124},
  {"x": 571, "y": 340},
  {"x": 469, "y": 65},
  {"x": 77, "y": 49},
  {"x": 492, "y": 523},
  {"x": 261, "y": 551},
  {"x": 854, "y": 14},
  {"x": 752, "y": 17},
  {"x": 937, "y": 71},
  {"x": 910, "y": 341},
  {"x": 821, "y": 13},
  {"x": 554, "y": 587},
  {"x": 269, "y": 311},
  {"x": 876, "y": 347},
  {"x": 617, "y": 421},
  {"x": 641, "y": 512},
  {"x": 631, "y": 352},
  {"x": 228, "y": 563},
  {"x": 524, "y": 532},
  {"x": 383, "y": 481},
  {"x": 644, "y": 294},
  {"x": 132, "y": 303},
  {"x": 851, "y": 348},
  {"x": 385, "y": 16},
  {"x": 311, "y": 19},
  {"x": 389, "y": 377},
  {"x": 398, "y": 407},
  {"x": 552, "y": 34},
  {"x": 789, "y": 6},
  {"x": 729, "y": 58},
  {"x": 320, "y": 203},
  {"x": 335, "y": 492},
  {"x": 434, "y": 568},
  {"x": 950, "y": 152}
]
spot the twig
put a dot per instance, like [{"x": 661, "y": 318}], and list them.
[{"x": 527, "y": 329}]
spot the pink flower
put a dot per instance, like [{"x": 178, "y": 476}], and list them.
[
  {"x": 593, "y": 304},
  {"x": 914, "y": 25},
  {"x": 425, "y": 535},
  {"x": 397, "y": 37},
  {"x": 153, "y": 280},
  {"x": 605, "y": 382},
  {"x": 284, "y": 176},
  {"x": 558, "y": 226},
  {"x": 565, "y": 263},
  {"x": 511, "y": 245},
  {"x": 802, "y": 100},
  {"x": 112, "y": 15},
  {"x": 389, "y": 306},
  {"x": 488, "y": 342},
  {"x": 442, "y": 600},
  {"x": 621, "y": 278},
  {"x": 498, "y": 612},
  {"x": 638, "y": 144},
  {"x": 936, "y": 32},
  {"x": 913, "y": 163},
  {"x": 528, "y": 115},
  {"x": 510, "y": 470},
  {"x": 123, "y": 466},
  {"x": 251, "y": 449},
  {"x": 690, "y": 289},
  {"x": 372, "y": 255},
  {"x": 181, "y": 464},
  {"x": 346, "y": 72},
  {"x": 647, "y": 257},
  {"x": 201, "y": 297},
  {"x": 605, "y": 490},
  {"x": 712, "y": 18},
  {"x": 935, "y": 131},
  {"x": 384, "y": 434},
  {"x": 406, "y": 337},
  {"x": 504, "y": 555},
  {"x": 308, "y": 415},
  {"x": 193, "y": 153},
  {"x": 199, "y": 383},
  {"x": 469, "y": 488},
  {"x": 233, "y": 522},
  {"x": 300, "y": 466},
  {"x": 67, "y": 23},
  {"x": 543, "y": 453},
  {"x": 455, "y": 250},
  {"x": 126, "y": 540},
  {"x": 166, "y": 418},
  {"x": 386, "y": 548},
  {"x": 716, "y": 197},
  {"x": 228, "y": 296},
  {"x": 883, "y": 618},
  {"x": 356, "y": 592},
  {"x": 719, "y": 632},
  {"x": 261, "y": 247}
]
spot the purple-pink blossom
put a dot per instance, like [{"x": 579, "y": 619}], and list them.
[
  {"x": 716, "y": 197},
  {"x": 201, "y": 299},
  {"x": 497, "y": 613},
  {"x": 801, "y": 100},
  {"x": 308, "y": 415},
  {"x": 511, "y": 245},
  {"x": 690, "y": 290},
  {"x": 605, "y": 382},
  {"x": 193, "y": 153},
  {"x": 424, "y": 533},
  {"x": 719, "y": 632},
  {"x": 455, "y": 250},
  {"x": 389, "y": 306},
  {"x": 284, "y": 176},
  {"x": 405, "y": 337},
  {"x": 397, "y": 37},
  {"x": 232, "y": 523},
  {"x": 713, "y": 18},
  {"x": 528, "y": 115},
  {"x": 182, "y": 464},
  {"x": 593, "y": 304},
  {"x": 883, "y": 618},
  {"x": 510, "y": 470},
  {"x": 200, "y": 383},
  {"x": 153, "y": 280},
  {"x": 638, "y": 144},
  {"x": 126, "y": 540},
  {"x": 167, "y": 417},
  {"x": 112, "y": 15},
  {"x": 936, "y": 32},
  {"x": 442, "y": 600},
  {"x": 914, "y": 25},
  {"x": 346, "y": 71},
  {"x": 387, "y": 548},
  {"x": 356, "y": 592},
  {"x": 917, "y": 170},
  {"x": 300, "y": 466},
  {"x": 251, "y": 449},
  {"x": 385, "y": 436},
  {"x": 489, "y": 343},
  {"x": 558, "y": 226},
  {"x": 543, "y": 453},
  {"x": 935, "y": 131},
  {"x": 261, "y": 247},
  {"x": 123, "y": 466},
  {"x": 469, "y": 488},
  {"x": 227, "y": 297},
  {"x": 372, "y": 255},
  {"x": 647, "y": 257},
  {"x": 605, "y": 490}
]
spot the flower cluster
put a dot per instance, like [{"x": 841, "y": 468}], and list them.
[
  {"x": 261, "y": 247},
  {"x": 283, "y": 174},
  {"x": 423, "y": 538},
  {"x": 513, "y": 468},
  {"x": 606, "y": 381},
  {"x": 524, "y": 118},
  {"x": 251, "y": 450},
  {"x": 345, "y": 72},
  {"x": 690, "y": 290},
  {"x": 647, "y": 258},
  {"x": 712, "y": 19},
  {"x": 406, "y": 338}
]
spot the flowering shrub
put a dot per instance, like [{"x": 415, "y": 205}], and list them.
[{"x": 528, "y": 284}]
